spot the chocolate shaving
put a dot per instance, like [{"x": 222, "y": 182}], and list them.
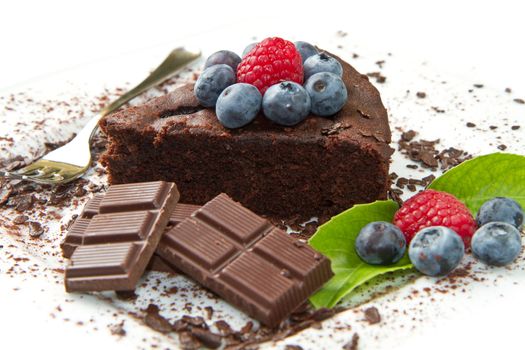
[
  {"x": 372, "y": 315},
  {"x": 353, "y": 343},
  {"x": 35, "y": 229},
  {"x": 207, "y": 338},
  {"x": 378, "y": 77},
  {"x": 20, "y": 219},
  {"x": 117, "y": 329},
  {"x": 5, "y": 192},
  {"x": 155, "y": 321}
]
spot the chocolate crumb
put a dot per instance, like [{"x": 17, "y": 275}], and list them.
[
  {"x": 478, "y": 86},
  {"x": 502, "y": 147},
  {"x": 353, "y": 343},
  {"x": 5, "y": 192},
  {"x": 117, "y": 329},
  {"x": 24, "y": 202},
  {"x": 207, "y": 338},
  {"x": 126, "y": 295},
  {"x": 378, "y": 77},
  {"x": 155, "y": 321},
  {"x": 247, "y": 327},
  {"x": 508, "y": 90},
  {"x": 372, "y": 315},
  {"x": 293, "y": 347},
  {"x": 470, "y": 125},
  {"x": 515, "y": 127},
  {"x": 223, "y": 327},
  {"x": 20, "y": 219},
  {"x": 421, "y": 94},
  {"x": 188, "y": 342},
  {"x": 209, "y": 312},
  {"x": 408, "y": 135},
  {"x": 519, "y": 100},
  {"x": 493, "y": 127},
  {"x": 35, "y": 229}
]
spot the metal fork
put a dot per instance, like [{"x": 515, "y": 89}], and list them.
[{"x": 70, "y": 161}]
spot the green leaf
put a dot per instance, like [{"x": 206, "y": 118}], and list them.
[
  {"x": 482, "y": 178},
  {"x": 336, "y": 239}
]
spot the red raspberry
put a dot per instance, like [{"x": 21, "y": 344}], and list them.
[
  {"x": 271, "y": 61},
  {"x": 434, "y": 208}
]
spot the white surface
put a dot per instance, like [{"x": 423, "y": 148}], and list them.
[{"x": 463, "y": 45}]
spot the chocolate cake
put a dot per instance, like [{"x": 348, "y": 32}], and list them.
[{"x": 317, "y": 168}]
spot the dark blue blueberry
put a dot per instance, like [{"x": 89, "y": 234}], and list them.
[
  {"x": 223, "y": 57},
  {"x": 321, "y": 63},
  {"x": 496, "y": 243},
  {"x": 286, "y": 103},
  {"x": 501, "y": 209},
  {"x": 380, "y": 243},
  {"x": 305, "y": 49},
  {"x": 436, "y": 250},
  {"x": 211, "y": 83},
  {"x": 248, "y": 48},
  {"x": 327, "y": 92},
  {"x": 238, "y": 105}
]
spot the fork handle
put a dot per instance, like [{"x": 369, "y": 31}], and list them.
[{"x": 176, "y": 60}]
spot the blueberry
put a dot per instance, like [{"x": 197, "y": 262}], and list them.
[
  {"x": 248, "y": 48},
  {"x": 327, "y": 92},
  {"x": 496, "y": 243},
  {"x": 238, "y": 105},
  {"x": 223, "y": 57},
  {"x": 321, "y": 63},
  {"x": 436, "y": 250},
  {"x": 501, "y": 209},
  {"x": 211, "y": 83},
  {"x": 305, "y": 49},
  {"x": 286, "y": 103},
  {"x": 380, "y": 243}
]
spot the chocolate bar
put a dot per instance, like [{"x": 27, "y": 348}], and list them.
[
  {"x": 112, "y": 245},
  {"x": 75, "y": 234},
  {"x": 245, "y": 259}
]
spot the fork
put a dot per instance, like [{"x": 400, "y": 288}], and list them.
[{"x": 72, "y": 160}]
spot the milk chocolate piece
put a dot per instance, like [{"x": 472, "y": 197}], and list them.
[
  {"x": 246, "y": 260},
  {"x": 76, "y": 231},
  {"x": 116, "y": 244},
  {"x": 75, "y": 234}
]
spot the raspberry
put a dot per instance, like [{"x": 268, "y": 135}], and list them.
[
  {"x": 271, "y": 61},
  {"x": 434, "y": 208}
]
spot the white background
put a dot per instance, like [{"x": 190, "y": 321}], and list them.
[
  {"x": 39, "y": 37},
  {"x": 482, "y": 40}
]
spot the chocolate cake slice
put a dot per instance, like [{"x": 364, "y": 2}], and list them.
[{"x": 317, "y": 168}]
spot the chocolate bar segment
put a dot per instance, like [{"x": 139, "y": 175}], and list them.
[
  {"x": 77, "y": 231},
  {"x": 118, "y": 243},
  {"x": 244, "y": 259}
]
